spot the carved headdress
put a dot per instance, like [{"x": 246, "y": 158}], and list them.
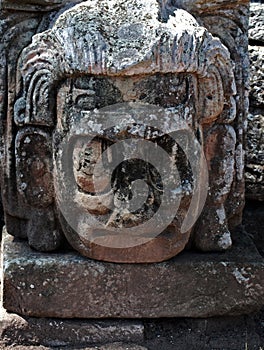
[{"x": 83, "y": 41}]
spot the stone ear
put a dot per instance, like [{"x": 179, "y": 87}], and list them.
[
  {"x": 19, "y": 111},
  {"x": 211, "y": 96},
  {"x": 36, "y": 112}
]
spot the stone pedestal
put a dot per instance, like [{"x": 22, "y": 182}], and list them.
[
  {"x": 190, "y": 285},
  {"x": 31, "y": 331}
]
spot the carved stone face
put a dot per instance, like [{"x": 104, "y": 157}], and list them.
[
  {"x": 115, "y": 202},
  {"x": 84, "y": 89}
]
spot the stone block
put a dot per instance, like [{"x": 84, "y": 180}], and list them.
[
  {"x": 256, "y": 55},
  {"x": 190, "y": 285},
  {"x": 29, "y": 331},
  {"x": 256, "y": 23},
  {"x": 254, "y": 170}
]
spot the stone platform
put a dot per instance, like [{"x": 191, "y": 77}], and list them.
[
  {"x": 190, "y": 285},
  {"x": 54, "y": 333}
]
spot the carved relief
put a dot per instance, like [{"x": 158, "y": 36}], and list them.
[{"x": 149, "y": 57}]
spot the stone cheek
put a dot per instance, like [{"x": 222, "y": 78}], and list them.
[
  {"x": 145, "y": 75},
  {"x": 34, "y": 167}
]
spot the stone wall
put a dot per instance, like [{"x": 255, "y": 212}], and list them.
[{"x": 255, "y": 134}]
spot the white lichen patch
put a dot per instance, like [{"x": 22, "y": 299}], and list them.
[
  {"x": 239, "y": 162},
  {"x": 221, "y": 215},
  {"x": 241, "y": 276},
  {"x": 27, "y": 140},
  {"x": 225, "y": 240}
]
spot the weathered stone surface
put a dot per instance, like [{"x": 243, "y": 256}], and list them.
[
  {"x": 256, "y": 22},
  {"x": 216, "y": 333},
  {"x": 63, "y": 333},
  {"x": 114, "y": 346},
  {"x": 191, "y": 285},
  {"x": 203, "y": 333},
  {"x": 119, "y": 346},
  {"x": 253, "y": 221},
  {"x": 35, "y": 5},
  {"x": 256, "y": 55},
  {"x": 173, "y": 55},
  {"x": 254, "y": 172}
]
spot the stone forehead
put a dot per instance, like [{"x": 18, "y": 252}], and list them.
[
  {"x": 118, "y": 12},
  {"x": 92, "y": 39},
  {"x": 112, "y": 18},
  {"x": 125, "y": 32}
]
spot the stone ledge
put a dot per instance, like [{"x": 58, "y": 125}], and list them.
[
  {"x": 114, "y": 346},
  {"x": 30, "y": 331},
  {"x": 190, "y": 285}
]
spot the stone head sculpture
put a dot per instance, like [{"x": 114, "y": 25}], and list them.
[{"x": 108, "y": 86}]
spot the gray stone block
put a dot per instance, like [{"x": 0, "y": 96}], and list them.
[
  {"x": 254, "y": 170},
  {"x": 256, "y": 55},
  {"x": 190, "y": 285},
  {"x": 256, "y": 22},
  {"x": 30, "y": 331}
]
